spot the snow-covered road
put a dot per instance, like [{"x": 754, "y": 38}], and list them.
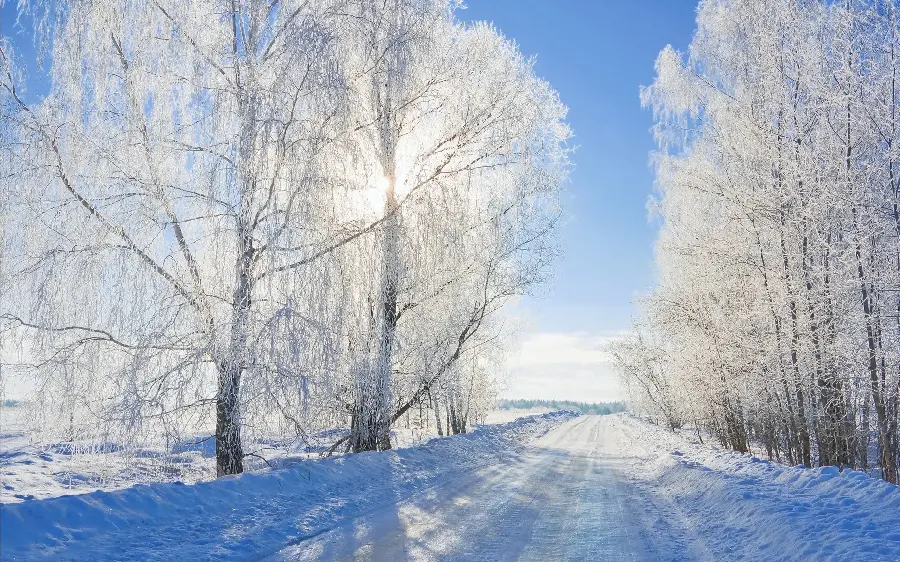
[
  {"x": 613, "y": 488},
  {"x": 549, "y": 487},
  {"x": 562, "y": 500}
]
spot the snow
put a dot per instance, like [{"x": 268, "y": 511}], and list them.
[
  {"x": 32, "y": 467},
  {"x": 252, "y": 514},
  {"x": 547, "y": 487},
  {"x": 512, "y": 414},
  {"x": 617, "y": 488},
  {"x": 744, "y": 507}
]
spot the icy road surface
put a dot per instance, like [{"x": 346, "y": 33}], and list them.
[{"x": 563, "y": 499}]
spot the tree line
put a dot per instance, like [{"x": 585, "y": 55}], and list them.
[
  {"x": 590, "y": 408},
  {"x": 274, "y": 217},
  {"x": 775, "y": 319}
]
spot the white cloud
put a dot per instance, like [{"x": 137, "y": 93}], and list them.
[{"x": 563, "y": 366}]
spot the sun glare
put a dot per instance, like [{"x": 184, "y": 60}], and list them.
[{"x": 375, "y": 196}]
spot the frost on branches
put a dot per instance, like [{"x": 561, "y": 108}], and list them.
[
  {"x": 274, "y": 218},
  {"x": 776, "y": 317}
]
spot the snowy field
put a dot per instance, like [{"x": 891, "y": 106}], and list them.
[
  {"x": 512, "y": 414},
  {"x": 548, "y": 487},
  {"x": 34, "y": 469}
]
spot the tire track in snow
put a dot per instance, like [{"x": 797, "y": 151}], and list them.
[{"x": 559, "y": 501}]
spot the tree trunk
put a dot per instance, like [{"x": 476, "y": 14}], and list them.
[
  {"x": 802, "y": 422},
  {"x": 229, "y": 450},
  {"x": 791, "y": 441},
  {"x": 374, "y": 397},
  {"x": 372, "y": 431},
  {"x": 437, "y": 418},
  {"x": 457, "y": 423}
]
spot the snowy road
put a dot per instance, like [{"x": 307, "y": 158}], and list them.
[
  {"x": 546, "y": 488},
  {"x": 564, "y": 499}
]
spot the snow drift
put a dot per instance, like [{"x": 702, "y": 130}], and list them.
[{"x": 740, "y": 507}]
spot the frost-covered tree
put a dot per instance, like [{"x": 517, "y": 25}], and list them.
[
  {"x": 460, "y": 141},
  {"x": 290, "y": 216},
  {"x": 777, "y": 299},
  {"x": 171, "y": 170}
]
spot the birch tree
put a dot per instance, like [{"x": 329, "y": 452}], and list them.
[
  {"x": 777, "y": 251},
  {"x": 449, "y": 118},
  {"x": 290, "y": 216},
  {"x": 173, "y": 170}
]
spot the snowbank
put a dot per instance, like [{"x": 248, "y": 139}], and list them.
[
  {"x": 678, "y": 499},
  {"x": 746, "y": 508},
  {"x": 251, "y": 515},
  {"x": 35, "y": 467}
]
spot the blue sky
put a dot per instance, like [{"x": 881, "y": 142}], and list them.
[
  {"x": 597, "y": 54},
  {"x": 37, "y": 83}
]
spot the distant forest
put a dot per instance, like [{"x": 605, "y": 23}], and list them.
[{"x": 599, "y": 408}]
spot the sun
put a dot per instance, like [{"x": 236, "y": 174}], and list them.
[{"x": 376, "y": 196}]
